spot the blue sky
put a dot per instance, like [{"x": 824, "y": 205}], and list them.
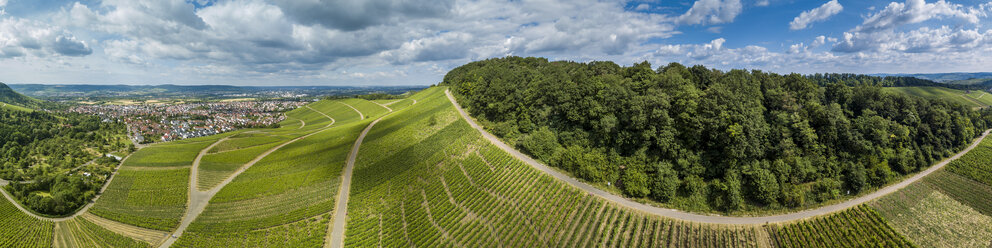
[{"x": 402, "y": 42}]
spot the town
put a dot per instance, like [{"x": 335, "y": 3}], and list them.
[{"x": 149, "y": 123}]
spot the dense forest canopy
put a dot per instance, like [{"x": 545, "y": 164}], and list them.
[{"x": 707, "y": 140}]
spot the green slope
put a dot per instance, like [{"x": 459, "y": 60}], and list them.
[
  {"x": 966, "y": 98},
  {"x": 10, "y": 97}
]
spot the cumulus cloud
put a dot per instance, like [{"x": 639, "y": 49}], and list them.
[
  {"x": 711, "y": 12},
  {"x": 882, "y": 31},
  {"x": 355, "y": 15},
  {"x": 916, "y": 11},
  {"x": 762, "y": 3},
  {"x": 818, "y": 14},
  {"x": 21, "y": 37}
]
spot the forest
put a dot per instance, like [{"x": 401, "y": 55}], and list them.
[
  {"x": 715, "y": 141},
  {"x": 48, "y": 151}
]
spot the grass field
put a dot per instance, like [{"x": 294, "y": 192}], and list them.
[
  {"x": 970, "y": 99},
  {"x": 79, "y": 232},
  {"x": 932, "y": 219}
]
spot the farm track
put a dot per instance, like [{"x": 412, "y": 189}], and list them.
[
  {"x": 198, "y": 200},
  {"x": 384, "y": 105},
  {"x": 336, "y": 239},
  {"x": 712, "y": 219},
  {"x": 356, "y": 110},
  {"x": 340, "y": 217}
]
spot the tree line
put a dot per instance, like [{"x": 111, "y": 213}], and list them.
[{"x": 709, "y": 140}]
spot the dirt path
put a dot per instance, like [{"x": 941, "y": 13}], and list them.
[
  {"x": 81, "y": 211},
  {"x": 714, "y": 219},
  {"x": 356, "y": 110},
  {"x": 340, "y": 217},
  {"x": 198, "y": 200},
  {"x": 325, "y": 115},
  {"x": 384, "y": 106}
]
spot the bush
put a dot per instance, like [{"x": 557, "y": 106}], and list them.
[
  {"x": 541, "y": 143},
  {"x": 635, "y": 182}
]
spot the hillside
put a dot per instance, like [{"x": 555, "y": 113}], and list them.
[
  {"x": 704, "y": 140},
  {"x": 9, "y": 97},
  {"x": 973, "y": 98}
]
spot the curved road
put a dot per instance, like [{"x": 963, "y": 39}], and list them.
[
  {"x": 713, "y": 219},
  {"x": 356, "y": 110}
]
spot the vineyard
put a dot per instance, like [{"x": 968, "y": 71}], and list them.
[
  {"x": 369, "y": 109},
  {"x": 171, "y": 154},
  {"x": 857, "y": 227},
  {"x": 931, "y": 219},
  {"x": 20, "y": 230},
  {"x": 286, "y": 194},
  {"x": 977, "y": 164},
  {"x": 966, "y": 191},
  {"x": 216, "y": 167},
  {"x": 462, "y": 191},
  {"x": 154, "y": 199},
  {"x": 79, "y": 232}
]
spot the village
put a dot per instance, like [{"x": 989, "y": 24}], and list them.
[{"x": 149, "y": 123}]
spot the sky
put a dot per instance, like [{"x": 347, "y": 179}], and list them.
[{"x": 415, "y": 42}]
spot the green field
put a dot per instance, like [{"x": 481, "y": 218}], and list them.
[
  {"x": 216, "y": 167},
  {"x": 970, "y": 99}
]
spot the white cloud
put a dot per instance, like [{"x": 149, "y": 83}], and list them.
[
  {"x": 916, "y": 11},
  {"x": 711, "y": 12},
  {"x": 818, "y": 14},
  {"x": 761, "y": 3},
  {"x": 21, "y": 37}
]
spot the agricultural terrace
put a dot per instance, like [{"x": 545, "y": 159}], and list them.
[
  {"x": 285, "y": 198},
  {"x": 150, "y": 189},
  {"x": 79, "y": 232},
  {"x": 932, "y": 219},
  {"x": 18, "y": 229}
]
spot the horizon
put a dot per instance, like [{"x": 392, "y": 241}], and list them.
[{"x": 385, "y": 42}]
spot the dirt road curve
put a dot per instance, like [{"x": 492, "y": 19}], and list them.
[
  {"x": 356, "y": 110},
  {"x": 676, "y": 214},
  {"x": 341, "y": 210}
]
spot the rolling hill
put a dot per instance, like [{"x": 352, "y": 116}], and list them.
[
  {"x": 974, "y": 98},
  {"x": 10, "y": 99}
]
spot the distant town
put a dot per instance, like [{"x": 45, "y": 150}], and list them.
[{"x": 148, "y": 123}]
